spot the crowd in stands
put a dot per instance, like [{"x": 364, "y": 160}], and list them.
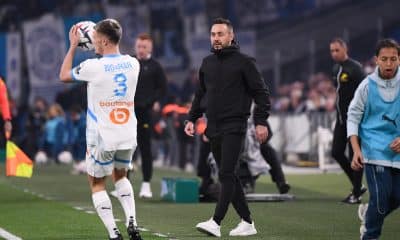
[
  {"x": 50, "y": 129},
  {"x": 318, "y": 94}
]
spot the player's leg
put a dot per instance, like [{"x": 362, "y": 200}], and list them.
[
  {"x": 395, "y": 197},
  {"x": 144, "y": 143},
  {"x": 338, "y": 153},
  {"x": 277, "y": 175},
  {"x": 358, "y": 188},
  {"x": 125, "y": 192},
  {"x": 99, "y": 165},
  {"x": 379, "y": 181},
  {"x": 123, "y": 186},
  {"x": 339, "y": 147}
]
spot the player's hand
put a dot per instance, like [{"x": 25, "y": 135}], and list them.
[
  {"x": 189, "y": 128},
  {"x": 261, "y": 133},
  {"x": 358, "y": 161},
  {"x": 7, "y": 128},
  {"x": 395, "y": 145},
  {"x": 74, "y": 36}
]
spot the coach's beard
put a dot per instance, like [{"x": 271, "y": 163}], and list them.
[{"x": 217, "y": 46}]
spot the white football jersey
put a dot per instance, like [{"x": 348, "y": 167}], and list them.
[{"x": 111, "y": 89}]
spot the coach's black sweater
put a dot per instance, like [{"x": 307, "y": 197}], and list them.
[
  {"x": 347, "y": 76},
  {"x": 151, "y": 85},
  {"x": 229, "y": 81}
]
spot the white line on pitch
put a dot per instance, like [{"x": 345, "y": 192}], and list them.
[
  {"x": 160, "y": 235},
  {"x": 8, "y": 235}
]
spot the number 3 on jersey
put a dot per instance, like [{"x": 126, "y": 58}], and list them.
[
  {"x": 120, "y": 90},
  {"x": 120, "y": 115}
]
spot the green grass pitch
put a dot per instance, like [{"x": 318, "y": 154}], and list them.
[{"x": 49, "y": 213}]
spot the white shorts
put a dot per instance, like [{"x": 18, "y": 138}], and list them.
[{"x": 101, "y": 163}]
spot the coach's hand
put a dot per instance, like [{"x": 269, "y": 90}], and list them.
[
  {"x": 395, "y": 145},
  {"x": 358, "y": 161},
  {"x": 189, "y": 128},
  {"x": 261, "y": 133},
  {"x": 74, "y": 36}
]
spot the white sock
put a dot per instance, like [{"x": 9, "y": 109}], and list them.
[
  {"x": 102, "y": 204},
  {"x": 127, "y": 199}
]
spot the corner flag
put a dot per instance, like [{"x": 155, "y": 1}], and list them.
[{"x": 17, "y": 163}]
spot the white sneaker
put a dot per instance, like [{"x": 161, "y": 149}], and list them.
[
  {"x": 243, "y": 229},
  {"x": 362, "y": 210},
  {"x": 145, "y": 191},
  {"x": 210, "y": 227}
]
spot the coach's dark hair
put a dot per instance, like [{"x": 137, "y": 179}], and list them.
[
  {"x": 110, "y": 28},
  {"x": 387, "y": 43},
  {"x": 225, "y": 21},
  {"x": 340, "y": 41}
]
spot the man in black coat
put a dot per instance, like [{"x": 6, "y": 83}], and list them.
[
  {"x": 347, "y": 74},
  {"x": 229, "y": 81},
  {"x": 150, "y": 89}
]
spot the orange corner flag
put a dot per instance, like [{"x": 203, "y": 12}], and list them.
[{"x": 17, "y": 163}]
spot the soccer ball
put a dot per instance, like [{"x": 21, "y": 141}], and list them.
[{"x": 86, "y": 29}]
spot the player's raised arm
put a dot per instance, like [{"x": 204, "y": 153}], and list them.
[{"x": 66, "y": 67}]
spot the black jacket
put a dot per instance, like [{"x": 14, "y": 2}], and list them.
[
  {"x": 347, "y": 76},
  {"x": 151, "y": 85},
  {"x": 229, "y": 81}
]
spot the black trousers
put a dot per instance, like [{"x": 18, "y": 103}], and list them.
[
  {"x": 203, "y": 167},
  {"x": 270, "y": 156},
  {"x": 226, "y": 149},
  {"x": 339, "y": 144},
  {"x": 143, "y": 115}
]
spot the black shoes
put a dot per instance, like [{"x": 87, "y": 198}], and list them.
[
  {"x": 363, "y": 190},
  {"x": 133, "y": 232},
  {"x": 283, "y": 187},
  {"x": 354, "y": 199}
]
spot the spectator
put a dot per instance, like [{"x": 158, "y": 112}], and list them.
[{"x": 53, "y": 141}]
